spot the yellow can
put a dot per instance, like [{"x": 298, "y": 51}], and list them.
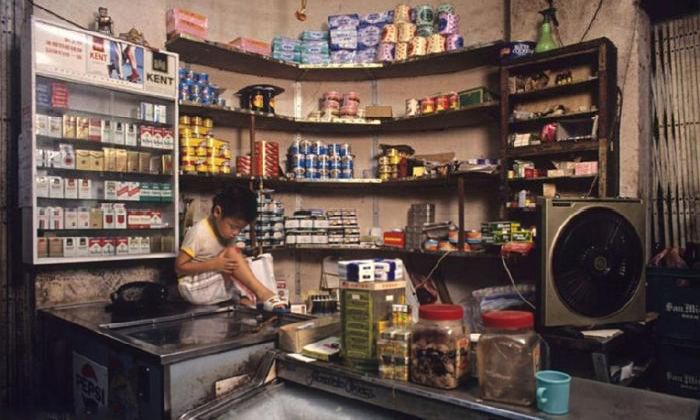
[
  {"x": 190, "y": 142},
  {"x": 383, "y": 160},
  {"x": 226, "y": 169},
  {"x": 213, "y": 169},
  {"x": 208, "y": 122},
  {"x": 185, "y": 120},
  {"x": 394, "y": 160},
  {"x": 198, "y": 121},
  {"x": 392, "y": 152},
  {"x": 202, "y": 169},
  {"x": 202, "y": 151},
  {"x": 188, "y": 151}
]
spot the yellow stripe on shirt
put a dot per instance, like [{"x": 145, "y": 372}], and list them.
[{"x": 188, "y": 251}]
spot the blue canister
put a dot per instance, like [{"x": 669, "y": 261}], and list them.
[
  {"x": 195, "y": 89},
  {"x": 334, "y": 149},
  {"x": 297, "y": 161},
  {"x": 311, "y": 162},
  {"x": 323, "y": 173},
  {"x": 322, "y": 162},
  {"x": 346, "y": 174},
  {"x": 346, "y": 162},
  {"x": 334, "y": 162},
  {"x": 295, "y": 147},
  {"x": 186, "y": 74},
  {"x": 344, "y": 149},
  {"x": 305, "y": 147},
  {"x": 202, "y": 78},
  {"x": 318, "y": 148},
  {"x": 299, "y": 173},
  {"x": 334, "y": 173},
  {"x": 195, "y": 99},
  {"x": 312, "y": 174}
]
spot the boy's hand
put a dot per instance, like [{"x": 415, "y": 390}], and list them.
[{"x": 225, "y": 264}]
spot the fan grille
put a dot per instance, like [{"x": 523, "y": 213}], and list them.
[{"x": 597, "y": 262}]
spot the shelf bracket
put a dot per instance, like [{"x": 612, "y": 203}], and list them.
[
  {"x": 375, "y": 145},
  {"x": 298, "y": 100}
]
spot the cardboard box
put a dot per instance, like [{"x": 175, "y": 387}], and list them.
[
  {"x": 122, "y": 190},
  {"x": 158, "y": 111},
  {"x": 107, "y": 245},
  {"x": 70, "y": 247},
  {"x": 110, "y": 159},
  {"x": 83, "y": 218},
  {"x": 97, "y": 160},
  {"x": 146, "y": 136},
  {"x": 122, "y": 160},
  {"x": 132, "y": 161},
  {"x": 120, "y": 216},
  {"x": 107, "y": 216},
  {"x": 55, "y": 247},
  {"x": 144, "y": 162},
  {"x": 55, "y": 127},
  {"x": 378, "y": 111},
  {"x": 69, "y": 127},
  {"x": 131, "y": 134},
  {"x": 42, "y": 217},
  {"x": 42, "y": 186},
  {"x": 70, "y": 188},
  {"x": 157, "y": 137},
  {"x": 41, "y": 127},
  {"x": 118, "y": 136},
  {"x": 42, "y": 247},
  {"x": 70, "y": 218},
  {"x": 82, "y": 128},
  {"x": 110, "y": 190},
  {"x": 95, "y": 246},
  {"x": 167, "y": 244},
  {"x": 395, "y": 239},
  {"x": 83, "y": 249},
  {"x": 134, "y": 245},
  {"x": 95, "y": 218},
  {"x": 82, "y": 160},
  {"x": 145, "y": 245},
  {"x": 182, "y": 21},
  {"x": 146, "y": 111},
  {"x": 121, "y": 246},
  {"x": 95, "y": 129},
  {"x": 252, "y": 45},
  {"x": 168, "y": 138},
  {"x": 293, "y": 337},
  {"x": 56, "y": 220},
  {"x": 134, "y": 191},
  {"x": 55, "y": 187},
  {"x": 106, "y": 132},
  {"x": 85, "y": 189}
]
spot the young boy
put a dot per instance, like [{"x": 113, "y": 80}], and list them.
[{"x": 209, "y": 262}]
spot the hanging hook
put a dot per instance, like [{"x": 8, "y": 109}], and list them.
[{"x": 301, "y": 12}]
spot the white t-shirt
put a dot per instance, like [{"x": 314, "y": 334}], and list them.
[{"x": 201, "y": 242}]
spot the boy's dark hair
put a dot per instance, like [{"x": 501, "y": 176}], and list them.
[{"x": 240, "y": 203}]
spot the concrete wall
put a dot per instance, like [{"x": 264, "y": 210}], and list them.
[{"x": 481, "y": 22}]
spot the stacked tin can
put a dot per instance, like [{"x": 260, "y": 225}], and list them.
[
  {"x": 420, "y": 31},
  {"x": 306, "y": 227},
  {"x": 418, "y": 215},
  {"x": 200, "y": 151},
  {"x": 195, "y": 87},
  {"x": 343, "y": 227},
  {"x": 267, "y": 159},
  {"x": 388, "y": 164},
  {"x": 316, "y": 160},
  {"x": 269, "y": 226}
]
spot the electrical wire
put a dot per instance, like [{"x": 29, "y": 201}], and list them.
[
  {"x": 437, "y": 264},
  {"x": 590, "y": 24},
  {"x": 512, "y": 281},
  {"x": 56, "y": 15}
]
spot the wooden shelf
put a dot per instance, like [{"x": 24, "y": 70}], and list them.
[
  {"x": 556, "y": 90},
  {"x": 225, "y": 57},
  {"x": 214, "y": 182},
  {"x": 562, "y": 55},
  {"x": 104, "y": 258},
  {"x": 464, "y": 117},
  {"x": 102, "y": 231},
  {"x": 552, "y": 178},
  {"x": 552, "y": 118},
  {"x": 388, "y": 250},
  {"x": 561, "y": 147}
]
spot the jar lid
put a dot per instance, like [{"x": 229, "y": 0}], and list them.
[
  {"x": 508, "y": 319},
  {"x": 441, "y": 312}
]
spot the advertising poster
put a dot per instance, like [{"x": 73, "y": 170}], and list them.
[
  {"x": 89, "y": 387},
  {"x": 59, "y": 50},
  {"x": 160, "y": 73}
]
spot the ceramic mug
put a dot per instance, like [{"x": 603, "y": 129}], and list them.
[{"x": 553, "y": 391}]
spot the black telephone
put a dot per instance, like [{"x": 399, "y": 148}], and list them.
[{"x": 138, "y": 295}]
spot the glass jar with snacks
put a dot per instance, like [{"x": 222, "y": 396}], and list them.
[
  {"x": 427, "y": 106},
  {"x": 439, "y": 346},
  {"x": 508, "y": 356}
]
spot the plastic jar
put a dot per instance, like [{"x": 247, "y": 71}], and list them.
[
  {"x": 508, "y": 356},
  {"x": 439, "y": 346}
]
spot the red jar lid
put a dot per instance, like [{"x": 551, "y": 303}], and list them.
[
  {"x": 441, "y": 312},
  {"x": 508, "y": 319}
]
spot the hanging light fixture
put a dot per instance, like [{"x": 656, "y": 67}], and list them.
[{"x": 301, "y": 12}]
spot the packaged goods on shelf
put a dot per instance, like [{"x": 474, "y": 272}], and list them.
[
  {"x": 182, "y": 21},
  {"x": 269, "y": 225},
  {"x": 370, "y": 270},
  {"x": 200, "y": 151},
  {"x": 393, "y": 345},
  {"x": 267, "y": 159},
  {"x": 252, "y": 45},
  {"x": 259, "y": 97},
  {"x": 307, "y": 160},
  {"x": 195, "y": 87}
]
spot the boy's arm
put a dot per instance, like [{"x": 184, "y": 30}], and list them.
[{"x": 186, "y": 266}]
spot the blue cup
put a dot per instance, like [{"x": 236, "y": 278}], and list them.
[{"x": 553, "y": 391}]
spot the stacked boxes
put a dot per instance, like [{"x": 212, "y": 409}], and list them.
[
  {"x": 269, "y": 226},
  {"x": 363, "y": 306},
  {"x": 286, "y": 49},
  {"x": 182, "y": 21},
  {"x": 498, "y": 233},
  {"x": 307, "y": 227},
  {"x": 267, "y": 159},
  {"x": 371, "y": 270},
  {"x": 343, "y": 37},
  {"x": 200, "y": 151},
  {"x": 314, "y": 47},
  {"x": 307, "y": 160},
  {"x": 343, "y": 228},
  {"x": 418, "y": 215}
]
